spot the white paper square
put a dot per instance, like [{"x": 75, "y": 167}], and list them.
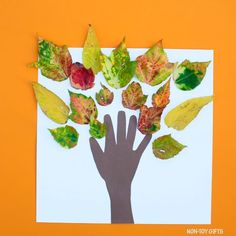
[{"x": 174, "y": 191}]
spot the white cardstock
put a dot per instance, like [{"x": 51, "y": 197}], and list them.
[{"x": 174, "y": 191}]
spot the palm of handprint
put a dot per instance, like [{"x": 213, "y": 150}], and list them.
[{"x": 118, "y": 163}]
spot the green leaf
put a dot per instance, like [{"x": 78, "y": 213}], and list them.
[
  {"x": 179, "y": 117},
  {"x": 83, "y": 108},
  {"x": 166, "y": 147},
  {"x": 149, "y": 119},
  {"x": 54, "y": 61},
  {"x": 133, "y": 97},
  {"x": 97, "y": 129},
  {"x": 161, "y": 98},
  {"x": 189, "y": 75},
  {"x": 153, "y": 67},
  {"x": 92, "y": 52},
  {"x": 117, "y": 69},
  {"x": 66, "y": 136},
  {"x": 52, "y": 106},
  {"x": 104, "y": 97}
]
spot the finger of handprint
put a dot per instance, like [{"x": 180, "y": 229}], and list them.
[
  {"x": 96, "y": 151},
  {"x": 132, "y": 130},
  {"x": 95, "y": 147},
  {"x": 110, "y": 137},
  {"x": 121, "y": 127},
  {"x": 142, "y": 146}
]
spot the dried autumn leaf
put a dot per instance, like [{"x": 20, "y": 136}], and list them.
[
  {"x": 166, "y": 147},
  {"x": 54, "y": 61},
  {"x": 92, "y": 52},
  {"x": 153, "y": 67},
  {"x": 52, "y": 106},
  {"x": 80, "y": 77},
  {"x": 179, "y": 117},
  {"x": 104, "y": 97},
  {"x": 189, "y": 75},
  {"x": 83, "y": 108},
  {"x": 117, "y": 69},
  {"x": 161, "y": 98},
  {"x": 149, "y": 119},
  {"x": 133, "y": 97},
  {"x": 97, "y": 129},
  {"x": 66, "y": 136}
]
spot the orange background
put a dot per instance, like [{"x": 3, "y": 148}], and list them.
[{"x": 202, "y": 24}]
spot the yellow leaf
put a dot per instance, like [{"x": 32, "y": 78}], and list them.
[
  {"x": 92, "y": 52},
  {"x": 52, "y": 106},
  {"x": 179, "y": 117}
]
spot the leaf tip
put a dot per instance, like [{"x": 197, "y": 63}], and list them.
[
  {"x": 208, "y": 63},
  {"x": 50, "y": 130},
  {"x": 159, "y": 43},
  {"x": 39, "y": 39},
  {"x": 70, "y": 92},
  {"x": 35, "y": 85},
  {"x": 32, "y": 65}
]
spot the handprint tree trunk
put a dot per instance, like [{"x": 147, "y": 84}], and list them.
[{"x": 118, "y": 163}]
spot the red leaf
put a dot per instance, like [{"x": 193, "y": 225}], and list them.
[
  {"x": 80, "y": 77},
  {"x": 149, "y": 119}
]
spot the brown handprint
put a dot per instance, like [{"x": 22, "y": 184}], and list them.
[{"x": 118, "y": 163}]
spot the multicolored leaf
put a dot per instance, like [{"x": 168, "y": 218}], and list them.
[
  {"x": 97, "y": 129},
  {"x": 149, "y": 120},
  {"x": 179, "y": 117},
  {"x": 166, "y": 147},
  {"x": 161, "y": 98},
  {"x": 153, "y": 67},
  {"x": 133, "y": 97},
  {"x": 52, "y": 106},
  {"x": 104, "y": 97},
  {"x": 83, "y": 108},
  {"x": 92, "y": 52},
  {"x": 54, "y": 61},
  {"x": 66, "y": 136},
  {"x": 117, "y": 69},
  {"x": 189, "y": 75},
  {"x": 80, "y": 77}
]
